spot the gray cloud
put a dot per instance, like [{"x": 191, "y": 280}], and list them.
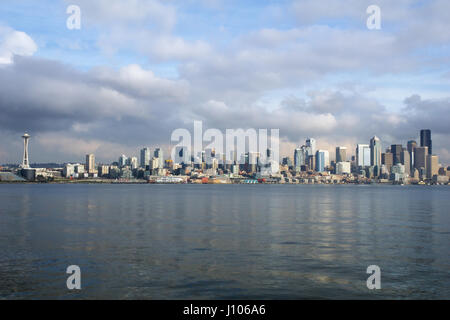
[
  {"x": 109, "y": 112},
  {"x": 43, "y": 97}
]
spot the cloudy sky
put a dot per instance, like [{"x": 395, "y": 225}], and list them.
[{"x": 138, "y": 69}]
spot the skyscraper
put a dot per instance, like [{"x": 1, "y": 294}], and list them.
[
  {"x": 432, "y": 166},
  {"x": 311, "y": 146},
  {"x": 363, "y": 155},
  {"x": 405, "y": 159},
  {"x": 297, "y": 159},
  {"x": 411, "y": 146},
  {"x": 154, "y": 164},
  {"x": 375, "y": 152},
  {"x": 300, "y": 158},
  {"x": 425, "y": 140},
  {"x": 311, "y": 162},
  {"x": 396, "y": 150},
  {"x": 341, "y": 154},
  {"x": 420, "y": 157},
  {"x": 322, "y": 160},
  {"x": 90, "y": 163},
  {"x": 160, "y": 156},
  {"x": 145, "y": 157},
  {"x": 388, "y": 160}
]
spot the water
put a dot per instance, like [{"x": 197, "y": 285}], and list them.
[{"x": 224, "y": 241}]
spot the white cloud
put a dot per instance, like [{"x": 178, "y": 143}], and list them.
[
  {"x": 13, "y": 43},
  {"x": 142, "y": 83}
]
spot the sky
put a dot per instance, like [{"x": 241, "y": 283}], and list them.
[{"x": 139, "y": 69}]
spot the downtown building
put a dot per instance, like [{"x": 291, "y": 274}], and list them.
[
  {"x": 420, "y": 160},
  {"x": 90, "y": 165},
  {"x": 375, "y": 155},
  {"x": 322, "y": 160},
  {"x": 362, "y": 155},
  {"x": 425, "y": 140},
  {"x": 145, "y": 157},
  {"x": 432, "y": 166},
  {"x": 341, "y": 154},
  {"x": 300, "y": 158}
]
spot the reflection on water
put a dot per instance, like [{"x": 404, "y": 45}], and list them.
[{"x": 219, "y": 242}]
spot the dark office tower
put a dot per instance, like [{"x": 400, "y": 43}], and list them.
[
  {"x": 420, "y": 158},
  {"x": 425, "y": 140},
  {"x": 396, "y": 150},
  {"x": 312, "y": 163},
  {"x": 387, "y": 160}
]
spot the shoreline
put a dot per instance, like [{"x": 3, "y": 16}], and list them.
[{"x": 253, "y": 184}]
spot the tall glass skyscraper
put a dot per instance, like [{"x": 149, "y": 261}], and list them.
[
  {"x": 311, "y": 146},
  {"x": 300, "y": 156},
  {"x": 411, "y": 146},
  {"x": 322, "y": 160},
  {"x": 297, "y": 159},
  {"x": 145, "y": 157},
  {"x": 425, "y": 140},
  {"x": 375, "y": 152}
]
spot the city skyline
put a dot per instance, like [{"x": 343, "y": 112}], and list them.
[
  {"x": 365, "y": 155},
  {"x": 412, "y": 164}
]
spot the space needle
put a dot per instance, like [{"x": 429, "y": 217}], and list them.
[{"x": 26, "y": 161}]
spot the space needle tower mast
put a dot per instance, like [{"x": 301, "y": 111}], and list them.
[{"x": 25, "y": 162}]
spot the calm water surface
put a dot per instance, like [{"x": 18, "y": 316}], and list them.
[{"x": 224, "y": 241}]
